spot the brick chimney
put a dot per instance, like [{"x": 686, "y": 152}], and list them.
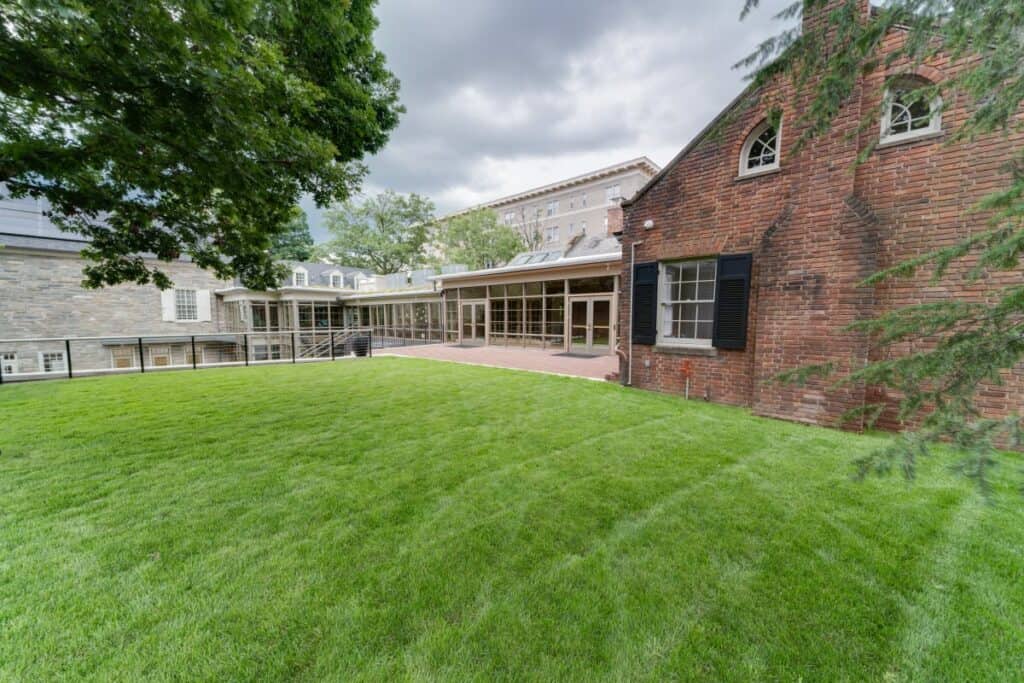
[
  {"x": 816, "y": 15},
  {"x": 614, "y": 220}
]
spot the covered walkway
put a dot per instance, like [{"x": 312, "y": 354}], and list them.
[{"x": 537, "y": 360}]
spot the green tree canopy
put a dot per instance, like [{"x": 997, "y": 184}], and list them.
[
  {"x": 477, "y": 239},
  {"x": 386, "y": 233},
  {"x": 958, "y": 344},
  {"x": 188, "y": 128},
  {"x": 294, "y": 243}
]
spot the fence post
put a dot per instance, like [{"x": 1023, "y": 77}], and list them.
[
  {"x": 67, "y": 355},
  {"x": 332, "y": 344},
  {"x": 245, "y": 341},
  {"x": 293, "y": 347},
  {"x": 193, "y": 352},
  {"x": 370, "y": 353},
  {"x": 142, "y": 360}
]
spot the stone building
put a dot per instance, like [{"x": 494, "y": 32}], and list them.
[{"x": 745, "y": 258}]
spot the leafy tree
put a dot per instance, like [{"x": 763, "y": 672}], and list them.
[
  {"x": 386, "y": 233},
  {"x": 957, "y": 345},
  {"x": 295, "y": 243},
  {"x": 478, "y": 240},
  {"x": 529, "y": 225},
  {"x": 168, "y": 128}
]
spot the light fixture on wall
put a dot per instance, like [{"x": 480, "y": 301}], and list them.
[{"x": 648, "y": 224}]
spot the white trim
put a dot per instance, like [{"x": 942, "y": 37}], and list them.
[
  {"x": 9, "y": 362},
  {"x": 63, "y": 362},
  {"x": 934, "y": 122},
  {"x": 682, "y": 342},
  {"x": 305, "y": 277},
  {"x": 547, "y": 265},
  {"x": 744, "y": 171}
]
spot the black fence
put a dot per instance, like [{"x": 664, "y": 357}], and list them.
[{"x": 67, "y": 357}]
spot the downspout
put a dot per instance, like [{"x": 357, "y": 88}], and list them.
[{"x": 632, "y": 278}]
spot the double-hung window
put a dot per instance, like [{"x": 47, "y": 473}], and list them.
[
  {"x": 553, "y": 207},
  {"x": 186, "y": 305},
  {"x": 613, "y": 193},
  {"x": 687, "y": 302},
  {"x": 552, "y": 234},
  {"x": 9, "y": 361}
]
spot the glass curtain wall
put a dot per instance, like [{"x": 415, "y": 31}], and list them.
[{"x": 420, "y": 321}]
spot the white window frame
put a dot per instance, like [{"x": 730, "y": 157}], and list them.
[
  {"x": 583, "y": 227},
  {"x": 180, "y": 306},
  {"x": 744, "y": 171},
  {"x": 9, "y": 362},
  {"x": 665, "y": 304},
  {"x": 583, "y": 200},
  {"x": 42, "y": 361},
  {"x": 934, "y": 123},
  {"x": 156, "y": 351},
  {"x": 552, "y": 235},
  {"x": 510, "y": 217},
  {"x": 296, "y": 273},
  {"x": 123, "y": 352},
  {"x": 340, "y": 279},
  {"x": 613, "y": 194},
  {"x": 553, "y": 207}
]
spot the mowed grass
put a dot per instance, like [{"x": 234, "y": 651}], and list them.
[{"x": 394, "y": 519}]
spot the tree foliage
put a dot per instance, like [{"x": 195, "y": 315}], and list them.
[
  {"x": 294, "y": 243},
  {"x": 957, "y": 345},
  {"x": 478, "y": 240},
  {"x": 188, "y": 127},
  {"x": 386, "y": 233}
]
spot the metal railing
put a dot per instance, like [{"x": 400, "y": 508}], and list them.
[{"x": 68, "y": 357}]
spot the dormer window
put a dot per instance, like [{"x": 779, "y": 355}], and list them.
[
  {"x": 337, "y": 281},
  {"x": 300, "y": 277},
  {"x": 761, "y": 150},
  {"x": 907, "y": 114}
]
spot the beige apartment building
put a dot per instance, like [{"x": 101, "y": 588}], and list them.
[{"x": 561, "y": 211}]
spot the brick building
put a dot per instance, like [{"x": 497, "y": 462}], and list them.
[{"x": 744, "y": 257}]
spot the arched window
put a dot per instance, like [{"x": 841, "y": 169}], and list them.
[
  {"x": 907, "y": 114},
  {"x": 760, "y": 151}
]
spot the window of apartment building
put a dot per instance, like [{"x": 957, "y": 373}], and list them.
[
  {"x": 122, "y": 357},
  {"x": 52, "y": 361},
  {"x": 159, "y": 356},
  {"x": 572, "y": 229},
  {"x": 687, "y": 302},
  {"x": 583, "y": 227},
  {"x": 300, "y": 277},
  {"x": 9, "y": 362},
  {"x": 186, "y": 305},
  {"x": 760, "y": 152},
  {"x": 572, "y": 202},
  {"x": 551, "y": 234},
  {"x": 510, "y": 217},
  {"x": 553, "y": 207},
  {"x": 583, "y": 200},
  {"x": 908, "y": 113},
  {"x": 613, "y": 193},
  {"x": 266, "y": 352},
  {"x": 337, "y": 280}
]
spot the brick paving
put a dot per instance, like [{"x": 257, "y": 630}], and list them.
[{"x": 536, "y": 360}]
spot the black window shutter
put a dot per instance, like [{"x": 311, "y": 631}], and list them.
[
  {"x": 731, "y": 301},
  {"x": 645, "y": 303}
]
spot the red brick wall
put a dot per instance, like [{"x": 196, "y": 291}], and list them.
[{"x": 816, "y": 228}]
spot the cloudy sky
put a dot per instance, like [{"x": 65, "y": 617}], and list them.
[{"x": 505, "y": 95}]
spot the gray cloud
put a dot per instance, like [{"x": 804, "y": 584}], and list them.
[{"x": 502, "y": 96}]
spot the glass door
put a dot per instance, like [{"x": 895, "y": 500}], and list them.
[
  {"x": 579, "y": 326},
  {"x": 591, "y": 325},
  {"x": 474, "y": 322}
]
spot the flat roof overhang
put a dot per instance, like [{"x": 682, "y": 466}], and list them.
[{"x": 581, "y": 266}]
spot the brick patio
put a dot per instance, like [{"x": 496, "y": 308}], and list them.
[{"x": 536, "y": 360}]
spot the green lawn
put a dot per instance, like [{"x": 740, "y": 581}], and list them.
[{"x": 402, "y": 519}]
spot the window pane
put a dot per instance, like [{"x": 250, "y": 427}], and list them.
[
  {"x": 496, "y": 290},
  {"x": 706, "y": 290},
  {"x": 534, "y": 288},
  {"x": 554, "y": 287}
]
